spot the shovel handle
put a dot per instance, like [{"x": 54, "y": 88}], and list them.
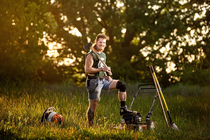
[
  {"x": 158, "y": 92},
  {"x": 161, "y": 93}
]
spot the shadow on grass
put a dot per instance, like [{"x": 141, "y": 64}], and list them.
[{"x": 7, "y": 135}]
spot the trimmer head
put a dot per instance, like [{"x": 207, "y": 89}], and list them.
[{"x": 52, "y": 117}]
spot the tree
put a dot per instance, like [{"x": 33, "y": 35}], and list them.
[
  {"x": 185, "y": 36},
  {"x": 22, "y": 25},
  {"x": 93, "y": 17},
  {"x": 158, "y": 28}
]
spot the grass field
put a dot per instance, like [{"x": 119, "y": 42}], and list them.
[{"x": 22, "y": 106}]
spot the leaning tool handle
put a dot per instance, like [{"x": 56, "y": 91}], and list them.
[
  {"x": 153, "y": 71},
  {"x": 110, "y": 73},
  {"x": 161, "y": 93},
  {"x": 161, "y": 104}
]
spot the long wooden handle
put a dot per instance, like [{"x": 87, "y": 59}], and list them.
[
  {"x": 110, "y": 73},
  {"x": 158, "y": 92},
  {"x": 161, "y": 93}
]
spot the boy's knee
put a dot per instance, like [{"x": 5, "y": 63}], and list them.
[{"x": 121, "y": 86}]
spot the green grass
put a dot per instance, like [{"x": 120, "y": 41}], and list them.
[{"x": 22, "y": 106}]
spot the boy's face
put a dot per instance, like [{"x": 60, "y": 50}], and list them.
[{"x": 101, "y": 44}]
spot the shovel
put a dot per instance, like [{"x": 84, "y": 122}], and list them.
[{"x": 173, "y": 125}]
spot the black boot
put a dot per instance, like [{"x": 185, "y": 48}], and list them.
[{"x": 124, "y": 111}]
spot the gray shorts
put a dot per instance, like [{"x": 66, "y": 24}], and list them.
[{"x": 94, "y": 87}]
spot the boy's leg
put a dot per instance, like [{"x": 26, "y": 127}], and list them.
[
  {"x": 94, "y": 96},
  {"x": 116, "y": 84},
  {"x": 91, "y": 111}
]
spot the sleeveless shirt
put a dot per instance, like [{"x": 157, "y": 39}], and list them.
[{"x": 97, "y": 63}]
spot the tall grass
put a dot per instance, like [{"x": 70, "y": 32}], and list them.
[{"x": 22, "y": 106}]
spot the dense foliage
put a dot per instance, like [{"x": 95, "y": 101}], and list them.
[{"x": 161, "y": 33}]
